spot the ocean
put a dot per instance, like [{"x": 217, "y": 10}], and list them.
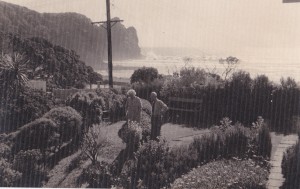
[{"x": 168, "y": 61}]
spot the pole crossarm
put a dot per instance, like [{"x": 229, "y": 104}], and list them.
[{"x": 104, "y": 22}]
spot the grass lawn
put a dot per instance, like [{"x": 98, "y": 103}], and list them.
[
  {"x": 178, "y": 135},
  {"x": 60, "y": 177}
]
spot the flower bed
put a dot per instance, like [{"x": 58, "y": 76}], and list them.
[{"x": 225, "y": 174}]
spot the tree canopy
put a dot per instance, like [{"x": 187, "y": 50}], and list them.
[
  {"x": 145, "y": 74},
  {"x": 60, "y": 67}
]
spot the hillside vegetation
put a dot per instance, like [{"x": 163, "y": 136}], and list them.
[{"x": 70, "y": 30}]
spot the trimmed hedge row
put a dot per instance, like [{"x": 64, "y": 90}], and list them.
[{"x": 291, "y": 167}]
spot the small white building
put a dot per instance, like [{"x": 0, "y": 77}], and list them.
[{"x": 37, "y": 84}]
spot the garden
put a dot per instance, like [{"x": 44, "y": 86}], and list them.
[{"x": 43, "y": 138}]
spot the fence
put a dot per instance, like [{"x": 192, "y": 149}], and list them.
[{"x": 63, "y": 94}]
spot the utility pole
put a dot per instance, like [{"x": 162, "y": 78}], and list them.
[{"x": 109, "y": 45}]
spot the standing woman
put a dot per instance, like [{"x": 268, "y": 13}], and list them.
[{"x": 133, "y": 107}]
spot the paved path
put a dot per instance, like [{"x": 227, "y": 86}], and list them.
[{"x": 279, "y": 145}]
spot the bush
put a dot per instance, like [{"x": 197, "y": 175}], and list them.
[
  {"x": 9, "y": 176},
  {"x": 222, "y": 143},
  {"x": 157, "y": 166},
  {"x": 143, "y": 90},
  {"x": 97, "y": 175},
  {"x": 40, "y": 134},
  {"x": 114, "y": 103},
  {"x": 184, "y": 158},
  {"x": 75, "y": 163},
  {"x": 146, "y": 106},
  {"x": 227, "y": 140},
  {"x": 68, "y": 121},
  {"x": 144, "y": 74},
  {"x": 18, "y": 111},
  {"x": 89, "y": 105},
  {"x": 31, "y": 164},
  {"x": 290, "y": 167},
  {"x": 222, "y": 174},
  {"x": 146, "y": 126},
  {"x": 5, "y": 151},
  {"x": 152, "y": 166},
  {"x": 263, "y": 139}
]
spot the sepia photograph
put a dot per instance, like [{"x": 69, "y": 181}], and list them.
[{"x": 150, "y": 94}]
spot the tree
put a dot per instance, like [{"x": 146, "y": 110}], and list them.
[
  {"x": 13, "y": 71},
  {"x": 288, "y": 83},
  {"x": 93, "y": 77},
  {"x": 230, "y": 64},
  {"x": 144, "y": 74},
  {"x": 60, "y": 67}
]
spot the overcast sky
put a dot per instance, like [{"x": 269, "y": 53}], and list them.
[{"x": 216, "y": 25}]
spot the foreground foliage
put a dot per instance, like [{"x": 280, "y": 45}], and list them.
[
  {"x": 223, "y": 174},
  {"x": 291, "y": 167},
  {"x": 22, "y": 108},
  {"x": 155, "y": 165}
]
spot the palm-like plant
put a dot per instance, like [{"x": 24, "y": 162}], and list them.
[{"x": 13, "y": 72}]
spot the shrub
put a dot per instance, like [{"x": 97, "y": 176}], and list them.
[
  {"x": 184, "y": 158},
  {"x": 263, "y": 139},
  {"x": 140, "y": 132},
  {"x": 146, "y": 126},
  {"x": 40, "y": 134},
  {"x": 5, "y": 151},
  {"x": 93, "y": 142},
  {"x": 117, "y": 108},
  {"x": 9, "y": 176},
  {"x": 31, "y": 164},
  {"x": 143, "y": 90},
  {"x": 152, "y": 166},
  {"x": 18, "y": 111},
  {"x": 146, "y": 106},
  {"x": 114, "y": 103},
  {"x": 231, "y": 142},
  {"x": 68, "y": 121},
  {"x": 222, "y": 174},
  {"x": 75, "y": 163},
  {"x": 89, "y": 105},
  {"x": 290, "y": 167},
  {"x": 97, "y": 175},
  {"x": 227, "y": 140},
  {"x": 157, "y": 166},
  {"x": 144, "y": 74}
]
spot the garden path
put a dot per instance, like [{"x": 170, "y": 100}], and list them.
[
  {"x": 178, "y": 135},
  {"x": 279, "y": 145}
]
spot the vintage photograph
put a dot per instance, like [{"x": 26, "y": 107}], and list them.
[{"x": 150, "y": 94}]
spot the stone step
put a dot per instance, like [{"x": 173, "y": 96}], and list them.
[
  {"x": 275, "y": 170},
  {"x": 275, "y": 176},
  {"x": 275, "y": 183}
]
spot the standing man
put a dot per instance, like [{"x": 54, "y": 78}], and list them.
[
  {"x": 158, "y": 110},
  {"x": 133, "y": 107}
]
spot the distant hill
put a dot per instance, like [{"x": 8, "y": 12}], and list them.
[{"x": 72, "y": 31}]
